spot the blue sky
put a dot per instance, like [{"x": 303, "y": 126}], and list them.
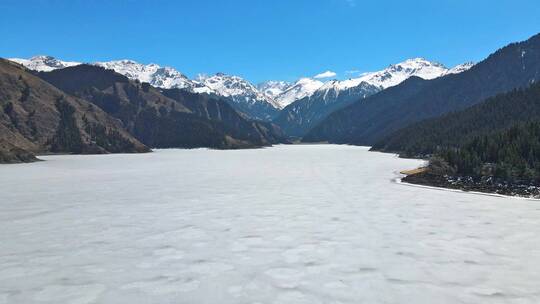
[{"x": 266, "y": 39}]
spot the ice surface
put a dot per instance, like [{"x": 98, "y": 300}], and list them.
[{"x": 289, "y": 224}]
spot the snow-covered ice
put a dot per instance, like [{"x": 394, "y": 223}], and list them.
[{"x": 288, "y": 224}]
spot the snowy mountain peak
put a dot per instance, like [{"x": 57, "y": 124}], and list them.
[
  {"x": 461, "y": 68},
  {"x": 391, "y": 76},
  {"x": 418, "y": 62},
  {"x": 304, "y": 87},
  {"x": 369, "y": 83},
  {"x": 162, "y": 77},
  {"x": 272, "y": 94},
  {"x": 237, "y": 88},
  {"x": 44, "y": 63},
  {"x": 397, "y": 73},
  {"x": 273, "y": 88}
]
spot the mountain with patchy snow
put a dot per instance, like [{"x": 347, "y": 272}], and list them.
[{"x": 301, "y": 115}]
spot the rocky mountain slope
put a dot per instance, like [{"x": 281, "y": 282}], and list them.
[
  {"x": 154, "y": 118},
  {"x": 36, "y": 117}
]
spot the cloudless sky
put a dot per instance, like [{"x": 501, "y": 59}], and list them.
[{"x": 265, "y": 39}]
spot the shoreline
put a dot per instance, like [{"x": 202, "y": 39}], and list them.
[{"x": 399, "y": 180}]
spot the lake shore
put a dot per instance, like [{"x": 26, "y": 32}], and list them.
[{"x": 421, "y": 176}]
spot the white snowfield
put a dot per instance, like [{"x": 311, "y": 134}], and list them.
[{"x": 289, "y": 224}]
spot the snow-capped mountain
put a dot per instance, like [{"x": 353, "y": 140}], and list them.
[
  {"x": 397, "y": 73},
  {"x": 302, "y": 88},
  {"x": 265, "y": 100},
  {"x": 235, "y": 87},
  {"x": 273, "y": 88},
  {"x": 304, "y": 113},
  {"x": 44, "y": 63},
  {"x": 285, "y": 93},
  {"x": 461, "y": 68},
  {"x": 245, "y": 97},
  {"x": 301, "y": 115},
  {"x": 241, "y": 94},
  {"x": 157, "y": 76},
  {"x": 391, "y": 76}
]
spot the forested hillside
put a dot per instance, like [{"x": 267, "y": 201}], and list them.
[
  {"x": 452, "y": 130},
  {"x": 505, "y": 162},
  {"x": 512, "y": 154}
]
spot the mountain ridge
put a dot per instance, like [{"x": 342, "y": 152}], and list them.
[
  {"x": 154, "y": 118},
  {"x": 299, "y": 117},
  {"x": 363, "y": 123},
  {"x": 37, "y": 117}
]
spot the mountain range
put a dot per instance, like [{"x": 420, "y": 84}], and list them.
[
  {"x": 130, "y": 106},
  {"x": 478, "y": 123},
  {"x": 89, "y": 109},
  {"x": 264, "y": 101},
  {"x": 300, "y": 116},
  {"x": 378, "y": 116}
]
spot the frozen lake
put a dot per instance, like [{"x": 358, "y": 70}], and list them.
[{"x": 289, "y": 224}]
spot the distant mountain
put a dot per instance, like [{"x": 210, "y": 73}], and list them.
[
  {"x": 302, "y": 88},
  {"x": 461, "y": 68},
  {"x": 37, "y": 117},
  {"x": 285, "y": 93},
  {"x": 44, "y": 63},
  {"x": 155, "y": 75},
  {"x": 273, "y": 88},
  {"x": 257, "y": 132},
  {"x": 397, "y": 73},
  {"x": 451, "y": 130},
  {"x": 243, "y": 96},
  {"x": 300, "y": 116},
  {"x": 160, "y": 118},
  {"x": 368, "y": 121}
]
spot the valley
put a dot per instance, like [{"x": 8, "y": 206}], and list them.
[{"x": 416, "y": 108}]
